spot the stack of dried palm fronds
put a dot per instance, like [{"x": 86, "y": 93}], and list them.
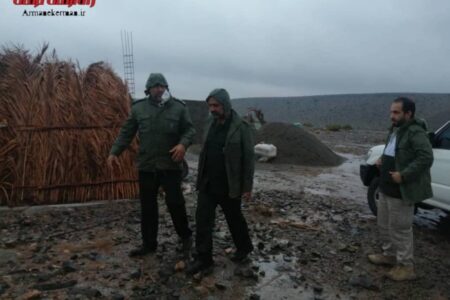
[{"x": 57, "y": 124}]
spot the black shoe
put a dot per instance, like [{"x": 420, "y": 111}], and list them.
[
  {"x": 141, "y": 251},
  {"x": 200, "y": 266},
  {"x": 240, "y": 256}
]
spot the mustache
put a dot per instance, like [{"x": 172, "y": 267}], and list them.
[{"x": 397, "y": 123}]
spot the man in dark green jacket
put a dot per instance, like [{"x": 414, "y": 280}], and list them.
[
  {"x": 404, "y": 180},
  {"x": 225, "y": 175},
  {"x": 165, "y": 131}
]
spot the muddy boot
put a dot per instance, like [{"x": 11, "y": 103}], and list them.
[
  {"x": 141, "y": 251},
  {"x": 240, "y": 256},
  {"x": 402, "y": 273},
  {"x": 200, "y": 266},
  {"x": 380, "y": 259}
]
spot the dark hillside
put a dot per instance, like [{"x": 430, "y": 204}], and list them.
[{"x": 363, "y": 111}]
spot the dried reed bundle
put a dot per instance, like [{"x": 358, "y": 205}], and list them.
[{"x": 57, "y": 124}]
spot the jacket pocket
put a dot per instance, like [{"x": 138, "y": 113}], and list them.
[
  {"x": 145, "y": 124},
  {"x": 403, "y": 156},
  {"x": 171, "y": 124}
]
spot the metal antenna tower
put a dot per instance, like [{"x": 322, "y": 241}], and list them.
[{"x": 128, "y": 59}]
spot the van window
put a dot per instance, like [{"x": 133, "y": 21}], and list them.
[{"x": 443, "y": 139}]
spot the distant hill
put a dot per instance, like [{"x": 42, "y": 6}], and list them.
[{"x": 363, "y": 111}]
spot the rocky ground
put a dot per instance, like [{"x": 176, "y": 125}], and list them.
[{"x": 310, "y": 226}]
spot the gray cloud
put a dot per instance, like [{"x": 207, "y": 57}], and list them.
[{"x": 257, "y": 47}]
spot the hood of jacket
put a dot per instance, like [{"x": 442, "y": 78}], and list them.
[
  {"x": 222, "y": 96},
  {"x": 414, "y": 122},
  {"x": 156, "y": 79}
]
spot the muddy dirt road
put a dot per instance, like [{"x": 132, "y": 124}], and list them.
[{"x": 311, "y": 228}]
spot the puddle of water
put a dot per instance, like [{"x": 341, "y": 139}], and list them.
[
  {"x": 433, "y": 219},
  {"x": 282, "y": 280},
  {"x": 319, "y": 192},
  {"x": 278, "y": 282}
]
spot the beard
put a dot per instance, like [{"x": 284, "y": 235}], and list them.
[
  {"x": 398, "y": 123},
  {"x": 158, "y": 97},
  {"x": 215, "y": 114}
]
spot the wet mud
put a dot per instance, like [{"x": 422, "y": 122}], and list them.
[{"x": 311, "y": 228}]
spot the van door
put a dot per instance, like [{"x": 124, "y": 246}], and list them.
[{"x": 440, "y": 171}]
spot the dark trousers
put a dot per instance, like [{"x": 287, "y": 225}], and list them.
[
  {"x": 205, "y": 217},
  {"x": 149, "y": 183}
]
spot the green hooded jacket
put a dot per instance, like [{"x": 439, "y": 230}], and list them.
[
  {"x": 160, "y": 128},
  {"x": 413, "y": 159},
  {"x": 238, "y": 150}
]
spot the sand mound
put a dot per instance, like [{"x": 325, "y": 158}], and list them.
[{"x": 297, "y": 146}]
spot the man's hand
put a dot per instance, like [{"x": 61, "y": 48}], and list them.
[
  {"x": 112, "y": 161},
  {"x": 396, "y": 177},
  {"x": 178, "y": 152},
  {"x": 247, "y": 196}
]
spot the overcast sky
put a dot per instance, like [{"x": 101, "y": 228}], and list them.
[{"x": 255, "y": 47}]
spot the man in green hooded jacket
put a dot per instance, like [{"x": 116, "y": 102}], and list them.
[
  {"x": 225, "y": 175},
  {"x": 404, "y": 180},
  {"x": 165, "y": 131}
]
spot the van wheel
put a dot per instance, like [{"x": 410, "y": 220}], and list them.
[{"x": 373, "y": 194}]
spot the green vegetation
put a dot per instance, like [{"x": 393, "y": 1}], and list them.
[
  {"x": 338, "y": 127},
  {"x": 347, "y": 127},
  {"x": 333, "y": 127}
]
